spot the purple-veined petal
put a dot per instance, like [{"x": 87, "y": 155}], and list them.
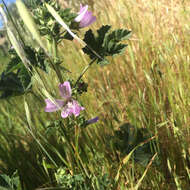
[
  {"x": 65, "y": 90},
  {"x": 51, "y": 107},
  {"x": 72, "y": 107},
  {"x": 81, "y": 13}
]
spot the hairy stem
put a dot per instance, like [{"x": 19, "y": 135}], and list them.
[{"x": 84, "y": 71}]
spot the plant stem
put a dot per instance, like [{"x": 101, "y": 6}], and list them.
[
  {"x": 55, "y": 66},
  {"x": 84, "y": 71}
]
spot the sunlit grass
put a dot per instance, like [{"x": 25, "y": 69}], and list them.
[{"x": 147, "y": 87}]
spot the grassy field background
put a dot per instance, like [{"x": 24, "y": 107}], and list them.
[{"x": 147, "y": 89}]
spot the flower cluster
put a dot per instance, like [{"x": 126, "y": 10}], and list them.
[{"x": 68, "y": 105}]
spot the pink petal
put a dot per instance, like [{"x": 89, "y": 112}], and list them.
[
  {"x": 82, "y": 12},
  {"x": 76, "y": 108},
  {"x": 87, "y": 19},
  {"x": 83, "y": 8},
  {"x": 71, "y": 108},
  {"x": 65, "y": 113},
  {"x": 51, "y": 107},
  {"x": 65, "y": 90}
]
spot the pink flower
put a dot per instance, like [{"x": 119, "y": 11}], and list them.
[
  {"x": 85, "y": 17},
  {"x": 67, "y": 105}
]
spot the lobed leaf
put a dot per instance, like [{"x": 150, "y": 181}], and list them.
[
  {"x": 118, "y": 35},
  {"x": 105, "y": 43}
]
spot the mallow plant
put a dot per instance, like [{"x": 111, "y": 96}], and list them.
[
  {"x": 49, "y": 25},
  {"x": 16, "y": 79},
  {"x": 68, "y": 105}
]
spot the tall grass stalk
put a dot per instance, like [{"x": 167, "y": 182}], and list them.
[{"x": 147, "y": 87}]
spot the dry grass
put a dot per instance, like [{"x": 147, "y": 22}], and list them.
[{"x": 148, "y": 87}]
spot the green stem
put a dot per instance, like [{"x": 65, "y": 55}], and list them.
[
  {"x": 55, "y": 66},
  {"x": 84, "y": 71},
  {"x": 54, "y": 48}
]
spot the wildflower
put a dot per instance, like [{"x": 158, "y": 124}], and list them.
[
  {"x": 93, "y": 120},
  {"x": 85, "y": 17},
  {"x": 67, "y": 105}
]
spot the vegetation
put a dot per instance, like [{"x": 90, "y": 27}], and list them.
[{"x": 141, "y": 140}]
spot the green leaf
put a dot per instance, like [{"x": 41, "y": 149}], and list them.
[
  {"x": 67, "y": 36},
  {"x": 10, "y": 183},
  {"x": 105, "y": 43},
  {"x": 112, "y": 41},
  {"x": 102, "y": 33},
  {"x": 103, "y": 62},
  {"x": 25, "y": 78},
  {"x": 118, "y": 35},
  {"x": 13, "y": 65},
  {"x": 37, "y": 58},
  {"x": 14, "y": 84},
  {"x": 4, "y": 181},
  {"x": 61, "y": 21},
  {"x": 47, "y": 25},
  {"x": 90, "y": 39},
  {"x": 10, "y": 82},
  {"x": 114, "y": 49},
  {"x": 67, "y": 15}
]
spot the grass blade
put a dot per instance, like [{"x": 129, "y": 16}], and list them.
[{"x": 29, "y": 22}]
